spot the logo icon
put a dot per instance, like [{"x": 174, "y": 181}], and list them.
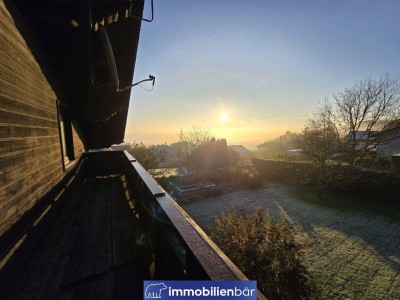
[{"x": 153, "y": 291}]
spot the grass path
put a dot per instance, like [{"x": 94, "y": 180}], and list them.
[{"x": 351, "y": 247}]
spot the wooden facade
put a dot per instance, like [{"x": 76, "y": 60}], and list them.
[{"x": 30, "y": 150}]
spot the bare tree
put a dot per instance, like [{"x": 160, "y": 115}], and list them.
[
  {"x": 358, "y": 115},
  {"x": 190, "y": 141},
  {"x": 319, "y": 140}
]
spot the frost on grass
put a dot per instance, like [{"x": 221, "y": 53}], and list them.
[{"x": 351, "y": 254}]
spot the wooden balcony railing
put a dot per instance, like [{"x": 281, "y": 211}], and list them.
[{"x": 176, "y": 247}]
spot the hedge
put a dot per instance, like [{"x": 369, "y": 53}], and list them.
[{"x": 350, "y": 178}]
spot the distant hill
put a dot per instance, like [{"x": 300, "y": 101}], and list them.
[{"x": 285, "y": 142}]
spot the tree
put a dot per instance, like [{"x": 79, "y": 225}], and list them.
[
  {"x": 211, "y": 154},
  {"x": 155, "y": 159},
  {"x": 190, "y": 142},
  {"x": 319, "y": 140},
  {"x": 197, "y": 151},
  {"x": 357, "y": 115}
]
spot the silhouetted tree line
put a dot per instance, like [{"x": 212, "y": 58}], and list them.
[{"x": 211, "y": 154}]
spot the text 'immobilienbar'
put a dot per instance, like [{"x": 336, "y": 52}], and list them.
[{"x": 198, "y": 289}]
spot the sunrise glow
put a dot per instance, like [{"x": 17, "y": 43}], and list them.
[{"x": 224, "y": 117}]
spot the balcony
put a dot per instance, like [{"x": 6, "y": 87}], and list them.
[{"x": 102, "y": 231}]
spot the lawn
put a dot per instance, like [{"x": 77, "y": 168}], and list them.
[{"x": 351, "y": 245}]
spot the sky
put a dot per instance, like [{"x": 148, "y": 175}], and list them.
[{"x": 265, "y": 64}]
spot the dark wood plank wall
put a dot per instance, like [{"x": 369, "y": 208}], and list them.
[
  {"x": 30, "y": 153},
  {"x": 78, "y": 146}
]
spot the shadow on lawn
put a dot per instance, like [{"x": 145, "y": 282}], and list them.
[
  {"x": 373, "y": 205},
  {"x": 376, "y": 222}
]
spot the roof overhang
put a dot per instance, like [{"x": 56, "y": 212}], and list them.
[{"x": 63, "y": 36}]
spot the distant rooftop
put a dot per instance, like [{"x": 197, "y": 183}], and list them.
[
  {"x": 240, "y": 149},
  {"x": 363, "y": 135}
]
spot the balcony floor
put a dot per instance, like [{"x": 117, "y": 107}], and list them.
[{"x": 86, "y": 249}]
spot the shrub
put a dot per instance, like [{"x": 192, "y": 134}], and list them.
[
  {"x": 280, "y": 169},
  {"x": 265, "y": 251}
]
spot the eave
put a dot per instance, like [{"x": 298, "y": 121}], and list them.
[{"x": 63, "y": 37}]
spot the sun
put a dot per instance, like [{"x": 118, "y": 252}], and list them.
[{"x": 224, "y": 117}]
